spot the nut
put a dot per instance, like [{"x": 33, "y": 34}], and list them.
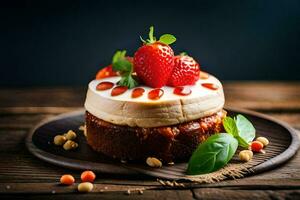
[
  {"x": 85, "y": 187},
  {"x": 70, "y": 135},
  {"x": 59, "y": 140},
  {"x": 153, "y": 162},
  {"x": 70, "y": 145},
  {"x": 263, "y": 140},
  {"x": 245, "y": 155}
]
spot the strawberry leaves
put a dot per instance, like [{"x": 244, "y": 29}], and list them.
[
  {"x": 165, "y": 38},
  {"x": 121, "y": 64}
]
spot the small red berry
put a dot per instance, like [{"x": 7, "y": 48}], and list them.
[
  {"x": 256, "y": 146},
  {"x": 88, "y": 176}
]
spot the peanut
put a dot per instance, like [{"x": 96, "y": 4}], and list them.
[
  {"x": 85, "y": 187},
  {"x": 70, "y": 145},
  {"x": 70, "y": 135},
  {"x": 59, "y": 140},
  {"x": 263, "y": 140},
  {"x": 245, "y": 155},
  {"x": 153, "y": 162}
]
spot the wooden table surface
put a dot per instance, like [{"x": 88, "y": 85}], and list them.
[{"x": 22, "y": 175}]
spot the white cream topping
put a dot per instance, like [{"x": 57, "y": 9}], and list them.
[{"x": 168, "y": 110}]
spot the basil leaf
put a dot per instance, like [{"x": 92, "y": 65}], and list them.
[
  {"x": 167, "y": 39},
  {"x": 245, "y": 128},
  {"x": 230, "y": 126},
  {"x": 242, "y": 142},
  {"x": 212, "y": 154}
]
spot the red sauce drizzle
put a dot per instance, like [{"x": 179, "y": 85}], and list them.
[
  {"x": 104, "y": 85},
  {"x": 118, "y": 90},
  {"x": 210, "y": 86},
  {"x": 182, "y": 91},
  {"x": 137, "y": 92},
  {"x": 155, "y": 94}
]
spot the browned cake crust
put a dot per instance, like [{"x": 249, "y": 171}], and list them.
[{"x": 169, "y": 143}]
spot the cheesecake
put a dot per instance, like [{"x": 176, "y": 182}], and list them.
[
  {"x": 154, "y": 104},
  {"x": 169, "y": 127}
]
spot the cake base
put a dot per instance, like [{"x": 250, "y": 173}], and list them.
[{"x": 169, "y": 144}]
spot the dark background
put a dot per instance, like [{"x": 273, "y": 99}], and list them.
[{"x": 46, "y": 43}]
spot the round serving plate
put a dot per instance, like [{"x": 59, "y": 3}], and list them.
[{"x": 284, "y": 143}]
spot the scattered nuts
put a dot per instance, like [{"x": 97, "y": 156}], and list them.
[
  {"x": 85, "y": 187},
  {"x": 70, "y": 145},
  {"x": 59, "y": 140},
  {"x": 70, "y": 135},
  {"x": 245, "y": 155},
  {"x": 263, "y": 140},
  {"x": 153, "y": 162},
  {"x": 83, "y": 129}
]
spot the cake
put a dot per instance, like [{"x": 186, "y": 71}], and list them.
[{"x": 166, "y": 115}]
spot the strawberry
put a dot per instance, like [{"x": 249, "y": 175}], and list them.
[
  {"x": 186, "y": 71},
  {"x": 153, "y": 62},
  {"x": 105, "y": 72}
]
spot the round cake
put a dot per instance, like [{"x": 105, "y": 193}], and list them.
[
  {"x": 152, "y": 104},
  {"x": 169, "y": 128}
]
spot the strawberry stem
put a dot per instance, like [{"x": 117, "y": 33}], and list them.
[
  {"x": 151, "y": 38},
  {"x": 165, "y": 38}
]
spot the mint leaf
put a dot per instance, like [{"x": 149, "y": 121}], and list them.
[
  {"x": 167, "y": 39},
  {"x": 122, "y": 65},
  {"x": 128, "y": 81},
  {"x": 118, "y": 55},
  {"x": 230, "y": 126},
  {"x": 212, "y": 154},
  {"x": 245, "y": 128}
]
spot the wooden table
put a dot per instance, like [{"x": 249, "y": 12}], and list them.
[{"x": 23, "y": 175}]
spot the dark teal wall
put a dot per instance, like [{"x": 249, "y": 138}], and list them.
[{"x": 66, "y": 42}]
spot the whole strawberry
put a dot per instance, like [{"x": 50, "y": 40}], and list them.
[
  {"x": 186, "y": 71},
  {"x": 153, "y": 62}
]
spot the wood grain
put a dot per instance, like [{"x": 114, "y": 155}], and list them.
[{"x": 21, "y": 108}]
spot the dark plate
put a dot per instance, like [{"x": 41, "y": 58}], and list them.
[{"x": 284, "y": 143}]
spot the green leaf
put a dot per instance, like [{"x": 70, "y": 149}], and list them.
[
  {"x": 245, "y": 128},
  {"x": 230, "y": 126},
  {"x": 212, "y": 154},
  {"x": 128, "y": 81},
  {"x": 118, "y": 55},
  {"x": 122, "y": 65},
  {"x": 167, "y": 39},
  {"x": 242, "y": 142}
]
